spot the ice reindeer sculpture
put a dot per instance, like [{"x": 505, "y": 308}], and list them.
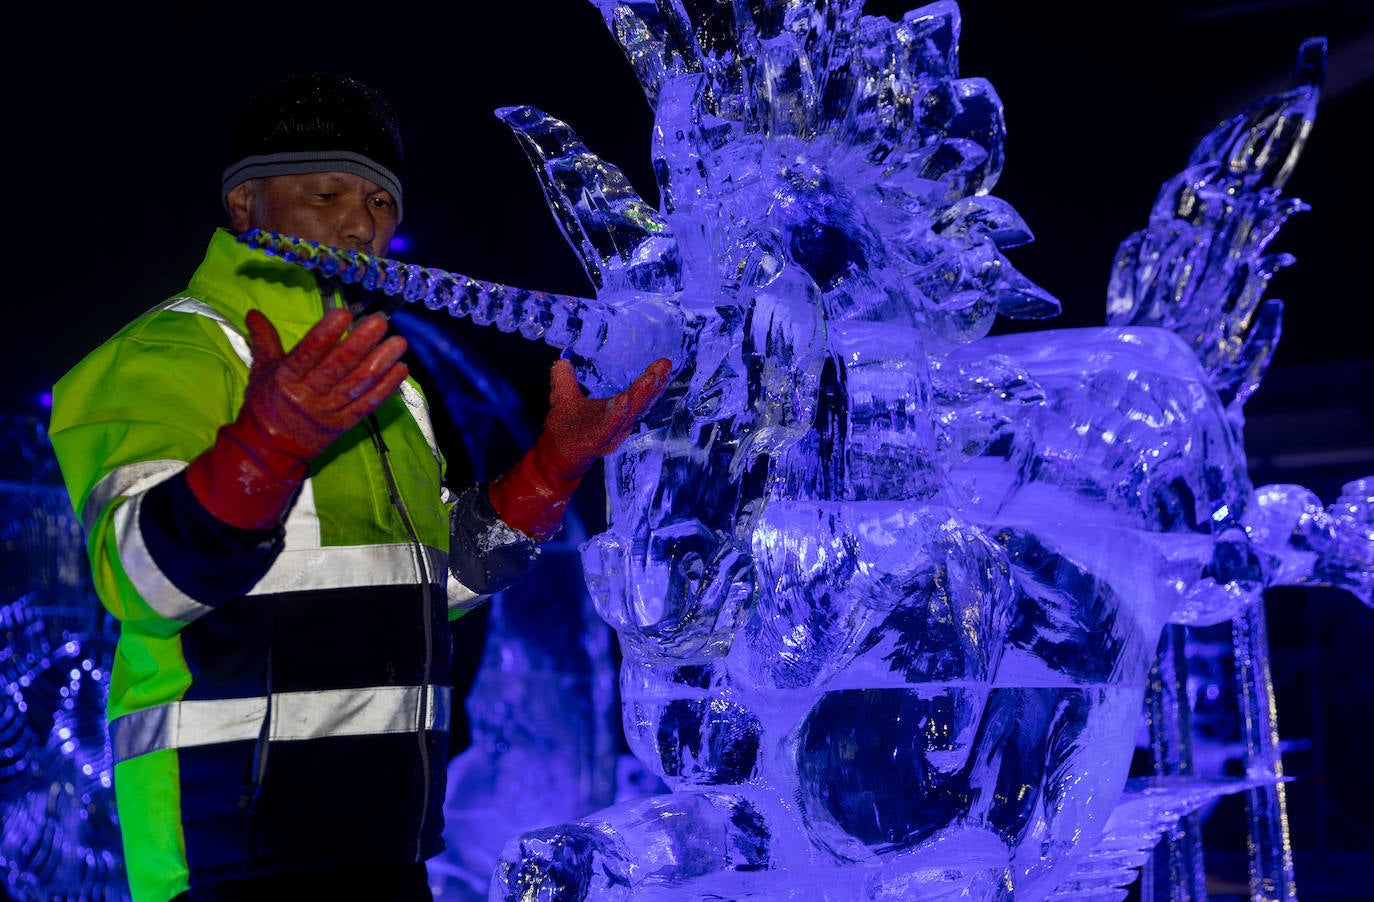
[{"x": 889, "y": 590}]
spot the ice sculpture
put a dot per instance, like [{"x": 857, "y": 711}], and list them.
[{"x": 888, "y": 589}]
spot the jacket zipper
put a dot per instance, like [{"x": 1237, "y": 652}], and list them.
[
  {"x": 334, "y": 296},
  {"x": 422, "y": 567}
]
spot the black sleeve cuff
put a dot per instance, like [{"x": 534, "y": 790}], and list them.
[
  {"x": 486, "y": 554},
  {"x": 203, "y": 556}
]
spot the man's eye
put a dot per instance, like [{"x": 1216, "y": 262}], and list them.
[
  {"x": 326, "y": 195},
  {"x": 383, "y": 202}
]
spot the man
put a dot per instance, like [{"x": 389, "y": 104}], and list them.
[{"x": 266, "y": 516}]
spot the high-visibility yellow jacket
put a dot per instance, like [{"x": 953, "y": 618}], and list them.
[{"x": 278, "y": 698}]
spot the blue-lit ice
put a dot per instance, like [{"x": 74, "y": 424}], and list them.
[{"x": 888, "y": 589}]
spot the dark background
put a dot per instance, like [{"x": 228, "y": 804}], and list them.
[
  {"x": 115, "y": 120},
  {"x": 118, "y": 119}
]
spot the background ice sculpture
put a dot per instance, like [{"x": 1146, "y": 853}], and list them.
[
  {"x": 59, "y": 836},
  {"x": 890, "y": 591}
]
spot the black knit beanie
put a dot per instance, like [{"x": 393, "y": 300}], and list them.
[{"x": 316, "y": 123}]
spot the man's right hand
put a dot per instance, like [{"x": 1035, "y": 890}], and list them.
[{"x": 296, "y": 404}]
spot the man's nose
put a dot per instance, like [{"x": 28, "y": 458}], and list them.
[{"x": 358, "y": 227}]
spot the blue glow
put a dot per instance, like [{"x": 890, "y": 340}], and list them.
[{"x": 887, "y": 590}]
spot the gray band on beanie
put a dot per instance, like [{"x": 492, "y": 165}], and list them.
[{"x": 305, "y": 161}]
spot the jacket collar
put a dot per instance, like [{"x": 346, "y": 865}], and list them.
[{"x": 235, "y": 278}]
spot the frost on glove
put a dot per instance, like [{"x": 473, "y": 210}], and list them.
[
  {"x": 296, "y": 404},
  {"x": 578, "y": 431}
]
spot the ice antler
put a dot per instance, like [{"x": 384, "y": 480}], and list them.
[
  {"x": 611, "y": 343},
  {"x": 1199, "y": 267}
]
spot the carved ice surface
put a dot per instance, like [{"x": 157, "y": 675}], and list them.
[{"x": 888, "y": 590}]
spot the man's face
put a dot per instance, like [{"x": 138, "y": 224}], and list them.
[{"x": 338, "y": 209}]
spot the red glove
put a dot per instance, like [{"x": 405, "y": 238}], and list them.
[
  {"x": 295, "y": 406},
  {"x": 578, "y": 431}
]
